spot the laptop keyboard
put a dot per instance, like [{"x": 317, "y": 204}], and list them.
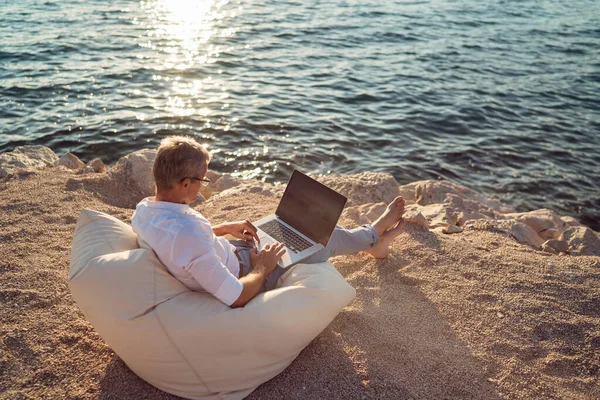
[{"x": 282, "y": 233}]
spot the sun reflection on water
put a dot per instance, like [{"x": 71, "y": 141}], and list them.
[
  {"x": 184, "y": 39},
  {"x": 179, "y": 33}
]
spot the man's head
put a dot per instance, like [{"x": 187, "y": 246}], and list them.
[{"x": 179, "y": 165}]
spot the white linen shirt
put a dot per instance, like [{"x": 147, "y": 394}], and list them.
[{"x": 185, "y": 243}]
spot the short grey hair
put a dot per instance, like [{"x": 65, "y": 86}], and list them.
[{"x": 177, "y": 157}]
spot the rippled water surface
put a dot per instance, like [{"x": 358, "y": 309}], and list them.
[{"x": 501, "y": 96}]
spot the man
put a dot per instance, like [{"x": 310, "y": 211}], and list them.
[{"x": 196, "y": 253}]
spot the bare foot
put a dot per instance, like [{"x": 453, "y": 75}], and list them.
[
  {"x": 391, "y": 215},
  {"x": 383, "y": 246}
]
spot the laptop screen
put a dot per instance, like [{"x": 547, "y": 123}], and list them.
[{"x": 310, "y": 207}]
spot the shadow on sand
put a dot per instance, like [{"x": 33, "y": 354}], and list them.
[{"x": 390, "y": 343}]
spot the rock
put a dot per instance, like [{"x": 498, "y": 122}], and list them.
[
  {"x": 88, "y": 169},
  {"x": 546, "y": 223},
  {"x": 550, "y": 234},
  {"x": 213, "y": 176},
  {"x": 368, "y": 213},
  {"x": 548, "y": 249},
  {"x": 413, "y": 216},
  {"x": 452, "y": 229},
  {"x": 213, "y": 187},
  {"x": 431, "y": 192},
  {"x": 225, "y": 182},
  {"x": 97, "y": 165},
  {"x": 464, "y": 209},
  {"x": 582, "y": 241},
  {"x": 206, "y": 191},
  {"x": 138, "y": 168},
  {"x": 453, "y": 211},
  {"x": 248, "y": 186},
  {"x": 444, "y": 203},
  {"x": 570, "y": 221},
  {"x": 437, "y": 215},
  {"x": 372, "y": 211},
  {"x": 70, "y": 161},
  {"x": 28, "y": 157},
  {"x": 364, "y": 213},
  {"x": 220, "y": 183},
  {"x": 526, "y": 235},
  {"x": 521, "y": 232},
  {"x": 560, "y": 246},
  {"x": 363, "y": 188}
]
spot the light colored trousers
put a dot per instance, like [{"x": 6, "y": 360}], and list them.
[{"x": 342, "y": 242}]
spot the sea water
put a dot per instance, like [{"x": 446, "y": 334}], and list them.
[{"x": 501, "y": 96}]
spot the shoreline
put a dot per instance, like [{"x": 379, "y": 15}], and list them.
[
  {"x": 467, "y": 304},
  {"x": 441, "y": 204},
  {"x": 582, "y": 213}
]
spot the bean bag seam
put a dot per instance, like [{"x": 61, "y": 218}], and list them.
[{"x": 153, "y": 308}]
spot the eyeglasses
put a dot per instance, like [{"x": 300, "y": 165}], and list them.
[{"x": 205, "y": 181}]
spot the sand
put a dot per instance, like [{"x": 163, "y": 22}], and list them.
[{"x": 470, "y": 315}]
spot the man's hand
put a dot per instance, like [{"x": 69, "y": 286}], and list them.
[
  {"x": 267, "y": 258},
  {"x": 263, "y": 262},
  {"x": 241, "y": 229}
]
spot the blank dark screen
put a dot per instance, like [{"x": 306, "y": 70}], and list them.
[{"x": 310, "y": 207}]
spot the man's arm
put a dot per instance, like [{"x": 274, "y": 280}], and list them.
[
  {"x": 263, "y": 263},
  {"x": 241, "y": 229},
  {"x": 252, "y": 284}
]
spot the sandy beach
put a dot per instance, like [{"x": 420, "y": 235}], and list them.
[{"x": 475, "y": 314}]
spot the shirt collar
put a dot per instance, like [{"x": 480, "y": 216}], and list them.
[{"x": 176, "y": 207}]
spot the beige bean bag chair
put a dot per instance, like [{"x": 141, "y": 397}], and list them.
[{"x": 187, "y": 343}]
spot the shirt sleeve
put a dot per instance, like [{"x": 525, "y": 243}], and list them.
[{"x": 193, "y": 249}]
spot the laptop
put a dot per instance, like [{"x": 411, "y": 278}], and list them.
[{"x": 305, "y": 219}]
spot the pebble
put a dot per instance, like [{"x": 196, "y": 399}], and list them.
[{"x": 452, "y": 229}]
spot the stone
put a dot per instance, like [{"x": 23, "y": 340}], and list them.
[
  {"x": 209, "y": 190},
  {"x": 26, "y": 157},
  {"x": 213, "y": 176},
  {"x": 372, "y": 211},
  {"x": 452, "y": 229},
  {"x": 206, "y": 191},
  {"x": 432, "y": 192},
  {"x": 521, "y": 232},
  {"x": 71, "y": 161},
  {"x": 570, "y": 221},
  {"x": 225, "y": 182},
  {"x": 363, "y": 188},
  {"x": 437, "y": 215},
  {"x": 248, "y": 186},
  {"x": 525, "y": 234},
  {"x": 582, "y": 241},
  {"x": 88, "y": 169},
  {"x": 138, "y": 168},
  {"x": 464, "y": 209},
  {"x": 445, "y": 203},
  {"x": 546, "y": 223},
  {"x": 413, "y": 216},
  {"x": 97, "y": 165},
  {"x": 364, "y": 213},
  {"x": 222, "y": 182},
  {"x": 548, "y": 249},
  {"x": 559, "y": 246},
  {"x": 550, "y": 234}
]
